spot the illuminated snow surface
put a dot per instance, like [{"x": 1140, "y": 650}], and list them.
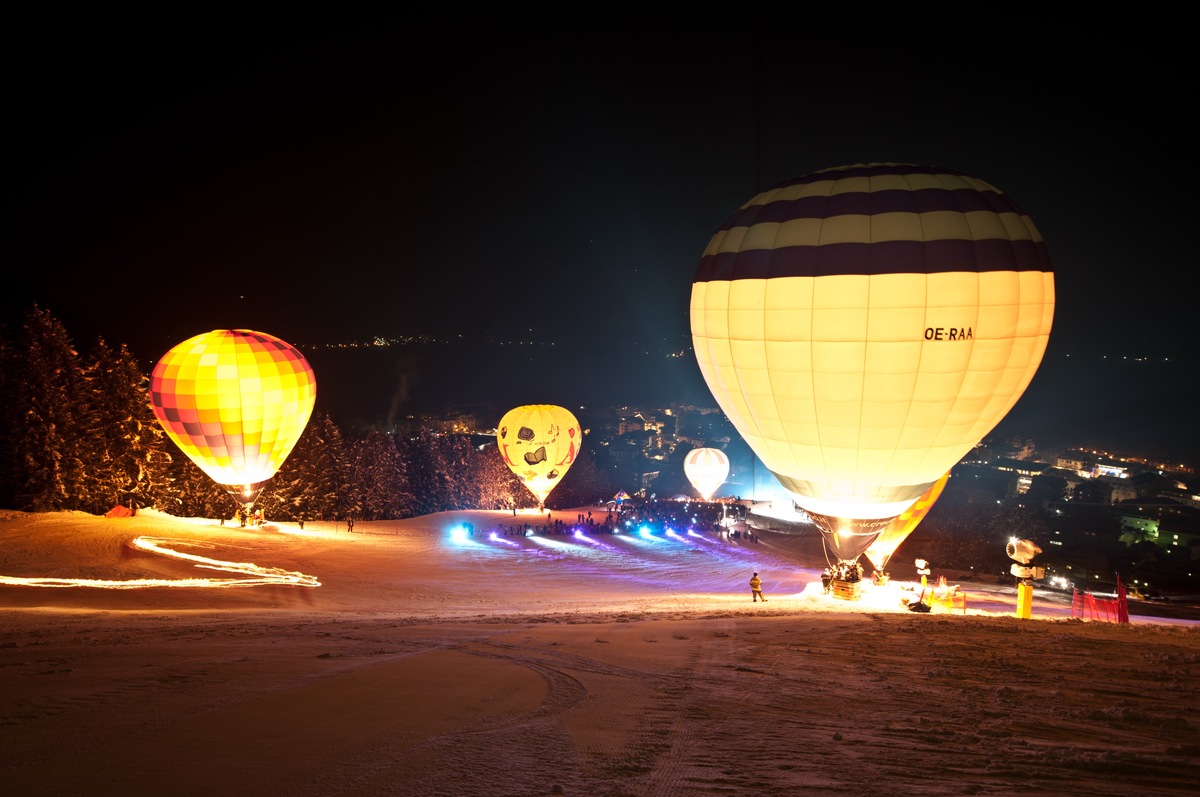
[{"x": 190, "y": 657}]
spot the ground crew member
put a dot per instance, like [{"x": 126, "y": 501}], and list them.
[{"x": 756, "y": 588}]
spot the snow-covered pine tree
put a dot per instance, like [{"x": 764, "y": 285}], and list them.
[
  {"x": 377, "y": 477},
  {"x": 46, "y": 395},
  {"x": 124, "y": 441}
]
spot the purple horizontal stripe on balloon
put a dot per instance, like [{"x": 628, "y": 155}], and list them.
[
  {"x": 868, "y": 170},
  {"x": 889, "y": 257},
  {"x": 926, "y": 200}
]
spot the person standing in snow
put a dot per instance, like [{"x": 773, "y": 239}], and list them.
[{"x": 756, "y": 588}]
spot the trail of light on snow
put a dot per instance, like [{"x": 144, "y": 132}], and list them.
[{"x": 254, "y": 575}]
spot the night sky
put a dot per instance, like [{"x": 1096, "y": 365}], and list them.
[{"x": 559, "y": 190}]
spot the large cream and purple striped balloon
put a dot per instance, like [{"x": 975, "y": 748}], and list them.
[{"x": 864, "y": 327}]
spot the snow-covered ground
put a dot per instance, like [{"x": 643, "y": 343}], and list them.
[{"x": 413, "y": 657}]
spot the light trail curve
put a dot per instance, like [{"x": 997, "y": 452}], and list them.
[{"x": 252, "y": 575}]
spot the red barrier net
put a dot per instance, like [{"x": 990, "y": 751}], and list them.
[{"x": 1088, "y": 606}]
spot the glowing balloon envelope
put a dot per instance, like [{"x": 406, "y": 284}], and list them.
[
  {"x": 863, "y": 327},
  {"x": 896, "y": 532},
  {"x": 539, "y": 442},
  {"x": 236, "y": 402},
  {"x": 706, "y": 469}
]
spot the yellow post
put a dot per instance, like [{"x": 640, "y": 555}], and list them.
[{"x": 1024, "y": 601}]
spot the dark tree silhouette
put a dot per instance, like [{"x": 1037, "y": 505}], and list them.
[
  {"x": 9, "y": 471},
  {"x": 47, "y": 397},
  {"x": 583, "y": 485}
]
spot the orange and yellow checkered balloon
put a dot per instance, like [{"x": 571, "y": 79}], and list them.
[{"x": 235, "y": 401}]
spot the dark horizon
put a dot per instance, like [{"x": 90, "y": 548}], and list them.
[
  {"x": 562, "y": 193},
  {"x": 1133, "y": 406},
  {"x": 1117, "y": 404}
]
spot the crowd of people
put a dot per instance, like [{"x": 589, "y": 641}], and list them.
[
  {"x": 631, "y": 517},
  {"x": 556, "y": 527},
  {"x": 246, "y": 517},
  {"x": 848, "y": 572}
]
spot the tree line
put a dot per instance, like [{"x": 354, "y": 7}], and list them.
[{"x": 77, "y": 433}]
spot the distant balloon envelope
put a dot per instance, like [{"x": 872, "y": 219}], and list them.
[
  {"x": 706, "y": 469},
  {"x": 863, "y": 327},
  {"x": 539, "y": 442},
  {"x": 236, "y": 402}
]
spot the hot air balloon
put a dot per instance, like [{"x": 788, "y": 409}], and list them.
[
  {"x": 896, "y": 532},
  {"x": 706, "y": 469},
  {"x": 863, "y": 327},
  {"x": 235, "y": 401},
  {"x": 539, "y": 442}
]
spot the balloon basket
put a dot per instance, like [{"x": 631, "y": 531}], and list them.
[{"x": 846, "y": 590}]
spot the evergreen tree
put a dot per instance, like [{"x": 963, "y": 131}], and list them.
[
  {"x": 292, "y": 492},
  {"x": 47, "y": 394},
  {"x": 430, "y": 469},
  {"x": 377, "y": 474},
  {"x": 332, "y": 472},
  {"x": 459, "y": 488},
  {"x": 314, "y": 480},
  {"x": 184, "y": 490},
  {"x": 124, "y": 440},
  {"x": 496, "y": 486}
]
